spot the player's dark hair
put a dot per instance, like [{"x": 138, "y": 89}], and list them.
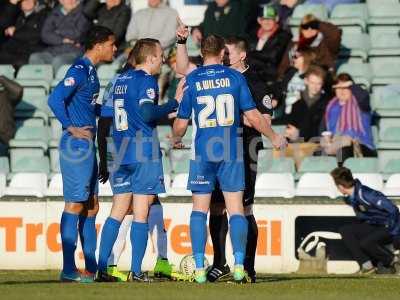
[
  {"x": 97, "y": 35},
  {"x": 343, "y": 176},
  {"x": 317, "y": 71},
  {"x": 212, "y": 46},
  {"x": 144, "y": 48},
  {"x": 238, "y": 42}
]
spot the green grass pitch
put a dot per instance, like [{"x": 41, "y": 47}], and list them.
[{"x": 44, "y": 285}]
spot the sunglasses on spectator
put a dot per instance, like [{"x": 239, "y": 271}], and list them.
[{"x": 310, "y": 25}]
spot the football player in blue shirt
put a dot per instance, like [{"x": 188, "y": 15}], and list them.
[
  {"x": 73, "y": 102},
  {"x": 137, "y": 156},
  {"x": 216, "y": 96},
  {"x": 156, "y": 220}
]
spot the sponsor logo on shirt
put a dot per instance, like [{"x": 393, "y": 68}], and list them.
[
  {"x": 151, "y": 93},
  {"x": 70, "y": 81}
]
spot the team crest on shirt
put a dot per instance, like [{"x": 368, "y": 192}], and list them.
[
  {"x": 151, "y": 93},
  {"x": 70, "y": 81},
  {"x": 267, "y": 102}
]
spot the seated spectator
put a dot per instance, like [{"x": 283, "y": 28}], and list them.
[
  {"x": 330, "y": 4},
  {"x": 158, "y": 21},
  {"x": 9, "y": 10},
  {"x": 10, "y": 96},
  {"x": 323, "y": 37},
  {"x": 292, "y": 84},
  {"x": 63, "y": 31},
  {"x": 377, "y": 224},
  {"x": 226, "y": 18},
  {"x": 304, "y": 121},
  {"x": 269, "y": 45},
  {"x": 113, "y": 14},
  {"x": 23, "y": 38},
  {"x": 348, "y": 120}
]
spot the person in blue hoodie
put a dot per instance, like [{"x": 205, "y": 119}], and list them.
[{"x": 377, "y": 225}]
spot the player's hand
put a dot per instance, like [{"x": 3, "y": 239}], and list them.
[
  {"x": 279, "y": 141},
  {"x": 81, "y": 132},
  {"x": 103, "y": 172},
  {"x": 180, "y": 90},
  {"x": 182, "y": 32},
  {"x": 9, "y": 31},
  {"x": 176, "y": 142},
  {"x": 68, "y": 41}
]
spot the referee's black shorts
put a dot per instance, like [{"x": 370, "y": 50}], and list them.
[{"x": 250, "y": 157}]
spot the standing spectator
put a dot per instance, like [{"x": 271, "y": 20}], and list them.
[
  {"x": 158, "y": 21},
  {"x": 226, "y": 18},
  {"x": 323, "y": 37},
  {"x": 308, "y": 112},
  {"x": 23, "y": 38},
  {"x": 348, "y": 117},
  {"x": 289, "y": 88},
  {"x": 377, "y": 224},
  {"x": 10, "y": 96},
  {"x": 113, "y": 14},
  {"x": 269, "y": 45},
  {"x": 63, "y": 31}
]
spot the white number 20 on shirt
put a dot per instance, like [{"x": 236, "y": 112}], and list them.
[{"x": 223, "y": 105}]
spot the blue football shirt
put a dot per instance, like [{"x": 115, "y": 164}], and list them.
[
  {"x": 215, "y": 97},
  {"x": 135, "y": 140}
]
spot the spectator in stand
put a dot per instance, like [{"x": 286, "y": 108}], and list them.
[
  {"x": 269, "y": 45},
  {"x": 348, "y": 120},
  {"x": 304, "y": 121},
  {"x": 226, "y": 18},
  {"x": 158, "y": 21},
  {"x": 330, "y": 4},
  {"x": 323, "y": 37},
  {"x": 10, "y": 96},
  {"x": 23, "y": 37},
  {"x": 113, "y": 14},
  {"x": 63, "y": 32},
  {"x": 8, "y": 16},
  {"x": 289, "y": 88}
]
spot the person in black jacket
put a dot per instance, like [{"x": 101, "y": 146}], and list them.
[
  {"x": 113, "y": 14},
  {"x": 269, "y": 44},
  {"x": 377, "y": 225},
  {"x": 23, "y": 37},
  {"x": 304, "y": 121},
  {"x": 8, "y": 16}
]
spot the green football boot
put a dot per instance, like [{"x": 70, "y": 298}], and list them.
[
  {"x": 200, "y": 276},
  {"x": 240, "y": 275},
  {"x": 163, "y": 268},
  {"x": 113, "y": 271}
]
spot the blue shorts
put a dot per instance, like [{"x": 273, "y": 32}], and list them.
[
  {"x": 203, "y": 176},
  {"x": 78, "y": 164},
  {"x": 143, "y": 178}
]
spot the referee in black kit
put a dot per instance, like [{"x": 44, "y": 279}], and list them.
[{"x": 252, "y": 143}]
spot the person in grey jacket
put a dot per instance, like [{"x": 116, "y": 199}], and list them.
[
  {"x": 113, "y": 14},
  {"x": 158, "y": 21},
  {"x": 63, "y": 32}
]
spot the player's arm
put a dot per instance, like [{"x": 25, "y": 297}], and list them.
[
  {"x": 103, "y": 132},
  {"x": 59, "y": 99},
  {"x": 181, "y": 122},
  {"x": 182, "y": 56},
  {"x": 152, "y": 112}
]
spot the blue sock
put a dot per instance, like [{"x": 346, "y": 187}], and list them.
[
  {"x": 69, "y": 238},
  {"x": 139, "y": 236},
  {"x": 198, "y": 235},
  {"x": 238, "y": 232},
  {"x": 88, "y": 235},
  {"x": 108, "y": 236},
  {"x": 156, "y": 221}
]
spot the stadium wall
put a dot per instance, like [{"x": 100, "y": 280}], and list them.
[{"x": 30, "y": 239}]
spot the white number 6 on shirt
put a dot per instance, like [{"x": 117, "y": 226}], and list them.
[{"x": 121, "y": 118}]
